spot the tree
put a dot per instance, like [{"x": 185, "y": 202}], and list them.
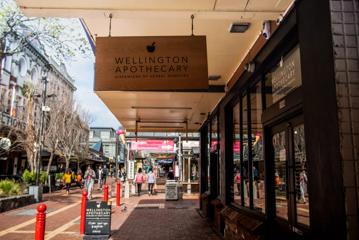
[
  {"x": 30, "y": 136},
  {"x": 73, "y": 131},
  {"x": 54, "y": 35}
]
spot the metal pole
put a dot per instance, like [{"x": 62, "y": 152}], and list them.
[
  {"x": 180, "y": 157},
  {"x": 116, "y": 158},
  {"x": 41, "y": 132}
]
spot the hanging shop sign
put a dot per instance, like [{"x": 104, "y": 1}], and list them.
[
  {"x": 287, "y": 76},
  {"x": 151, "y": 63}
]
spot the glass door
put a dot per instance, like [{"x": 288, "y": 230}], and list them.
[{"x": 290, "y": 173}]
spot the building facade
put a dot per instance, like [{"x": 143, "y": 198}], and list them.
[
  {"x": 279, "y": 154},
  {"x": 109, "y": 143},
  {"x": 16, "y": 71}
]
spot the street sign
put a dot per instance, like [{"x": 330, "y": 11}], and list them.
[
  {"x": 98, "y": 218},
  {"x": 46, "y": 109}
]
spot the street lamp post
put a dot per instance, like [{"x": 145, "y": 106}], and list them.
[{"x": 42, "y": 119}]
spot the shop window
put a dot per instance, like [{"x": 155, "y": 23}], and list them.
[
  {"x": 301, "y": 177},
  {"x": 215, "y": 151},
  {"x": 237, "y": 166},
  {"x": 283, "y": 78},
  {"x": 209, "y": 157},
  {"x": 280, "y": 174},
  {"x": 245, "y": 148},
  {"x": 257, "y": 149}
]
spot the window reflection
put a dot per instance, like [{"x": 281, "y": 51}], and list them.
[
  {"x": 245, "y": 151},
  {"x": 301, "y": 177},
  {"x": 280, "y": 174},
  {"x": 257, "y": 149},
  {"x": 236, "y": 155}
]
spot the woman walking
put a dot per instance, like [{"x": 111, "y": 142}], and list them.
[
  {"x": 67, "y": 180},
  {"x": 90, "y": 176},
  {"x": 151, "y": 179},
  {"x": 139, "y": 180}
]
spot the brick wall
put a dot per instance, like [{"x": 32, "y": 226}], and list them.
[{"x": 345, "y": 31}]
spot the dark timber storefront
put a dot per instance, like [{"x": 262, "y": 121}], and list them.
[{"x": 271, "y": 160}]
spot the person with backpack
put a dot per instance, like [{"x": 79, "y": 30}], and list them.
[
  {"x": 151, "y": 179},
  {"x": 139, "y": 180}
]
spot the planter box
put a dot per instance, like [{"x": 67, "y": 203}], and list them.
[
  {"x": 239, "y": 226},
  {"x": 37, "y": 192},
  {"x": 13, "y": 202}
]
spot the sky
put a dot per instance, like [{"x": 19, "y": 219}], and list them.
[{"x": 82, "y": 70}]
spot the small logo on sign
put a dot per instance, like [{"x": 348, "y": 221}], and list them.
[{"x": 151, "y": 48}]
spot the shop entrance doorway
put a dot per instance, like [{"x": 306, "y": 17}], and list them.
[{"x": 288, "y": 159}]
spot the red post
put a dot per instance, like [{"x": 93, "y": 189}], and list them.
[
  {"x": 40, "y": 222},
  {"x": 118, "y": 193},
  {"x": 105, "y": 193},
  {"x": 83, "y": 212}
]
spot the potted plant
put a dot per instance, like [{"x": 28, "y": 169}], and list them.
[{"x": 30, "y": 179}]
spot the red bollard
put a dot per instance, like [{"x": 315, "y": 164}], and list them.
[
  {"x": 40, "y": 222},
  {"x": 118, "y": 193},
  {"x": 83, "y": 212},
  {"x": 105, "y": 193}
]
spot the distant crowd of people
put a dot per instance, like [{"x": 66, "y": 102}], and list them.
[{"x": 86, "y": 180}]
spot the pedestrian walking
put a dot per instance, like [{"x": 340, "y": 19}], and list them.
[
  {"x": 237, "y": 180},
  {"x": 79, "y": 179},
  {"x": 99, "y": 180},
  {"x": 67, "y": 180},
  {"x": 90, "y": 177},
  {"x": 151, "y": 179},
  {"x": 139, "y": 180},
  {"x": 104, "y": 174}
]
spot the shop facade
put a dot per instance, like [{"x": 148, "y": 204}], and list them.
[{"x": 275, "y": 151}]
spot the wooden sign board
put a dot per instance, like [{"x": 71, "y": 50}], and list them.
[
  {"x": 98, "y": 218},
  {"x": 151, "y": 63}
]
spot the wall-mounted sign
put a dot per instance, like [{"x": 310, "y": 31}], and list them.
[
  {"x": 131, "y": 170},
  {"x": 287, "y": 76},
  {"x": 151, "y": 63}
]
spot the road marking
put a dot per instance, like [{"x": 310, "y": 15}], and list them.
[
  {"x": 61, "y": 229},
  {"x": 31, "y": 221}
]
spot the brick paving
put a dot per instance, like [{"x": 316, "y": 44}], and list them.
[{"x": 144, "y": 217}]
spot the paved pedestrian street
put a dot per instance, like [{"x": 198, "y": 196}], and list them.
[{"x": 144, "y": 217}]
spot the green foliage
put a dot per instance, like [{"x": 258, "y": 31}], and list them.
[
  {"x": 29, "y": 177},
  {"x": 9, "y": 188},
  {"x": 57, "y": 37},
  {"x": 43, "y": 177},
  {"x": 28, "y": 89},
  {"x": 59, "y": 176}
]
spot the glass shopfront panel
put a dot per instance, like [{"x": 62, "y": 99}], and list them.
[
  {"x": 257, "y": 149},
  {"x": 301, "y": 178},
  {"x": 245, "y": 152},
  {"x": 237, "y": 189},
  {"x": 280, "y": 173},
  {"x": 215, "y": 151},
  {"x": 209, "y": 157}
]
